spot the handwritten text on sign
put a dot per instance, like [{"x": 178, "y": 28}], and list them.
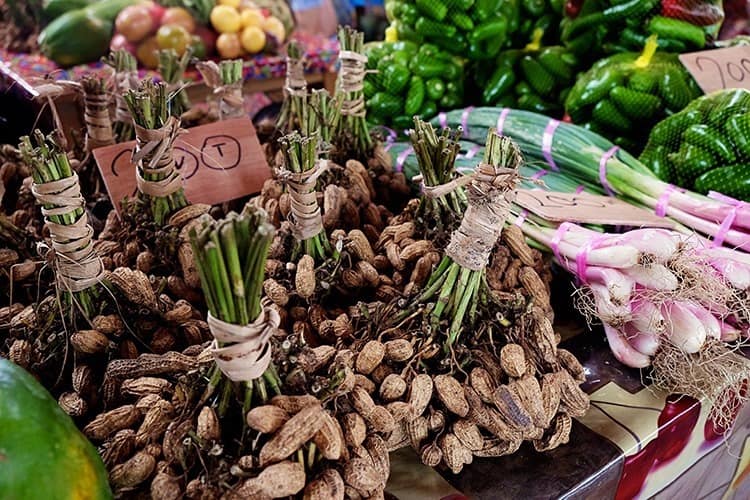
[
  {"x": 218, "y": 162},
  {"x": 719, "y": 69},
  {"x": 586, "y": 209}
]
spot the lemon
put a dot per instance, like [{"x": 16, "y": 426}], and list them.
[
  {"x": 230, "y": 3},
  {"x": 253, "y": 39},
  {"x": 225, "y": 19},
  {"x": 228, "y": 46},
  {"x": 251, "y": 17},
  {"x": 274, "y": 27}
]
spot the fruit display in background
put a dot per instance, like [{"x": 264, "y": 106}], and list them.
[{"x": 245, "y": 29}]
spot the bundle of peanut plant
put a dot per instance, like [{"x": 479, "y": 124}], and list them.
[
  {"x": 300, "y": 171},
  {"x": 230, "y": 256},
  {"x": 225, "y": 79},
  {"x": 172, "y": 70},
  {"x": 454, "y": 287},
  {"x": 350, "y": 131},
  {"x": 96, "y": 113},
  {"x": 159, "y": 183},
  {"x": 295, "y": 89},
  {"x": 77, "y": 266},
  {"x": 125, "y": 69}
]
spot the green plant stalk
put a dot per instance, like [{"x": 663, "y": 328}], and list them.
[
  {"x": 122, "y": 61},
  {"x": 300, "y": 155},
  {"x": 149, "y": 108},
  {"x": 48, "y": 163},
  {"x": 350, "y": 126},
  {"x": 231, "y": 278},
  {"x": 172, "y": 69}
]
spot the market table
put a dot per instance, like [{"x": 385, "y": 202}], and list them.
[{"x": 613, "y": 451}]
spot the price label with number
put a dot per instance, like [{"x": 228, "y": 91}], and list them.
[{"x": 719, "y": 69}]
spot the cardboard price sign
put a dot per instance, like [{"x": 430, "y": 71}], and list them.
[
  {"x": 719, "y": 69},
  {"x": 219, "y": 162},
  {"x": 586, "y": 208}
]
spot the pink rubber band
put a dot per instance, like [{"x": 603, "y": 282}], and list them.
[
  {"x": 472, "y": 152},
  {"x": 580, "y": 189},
  {"x": 661, "y": 205},
  {"x": 388, "y": 146},
  {"x": 728, "y": 222},
  {"x": 539, "y": 175},
  {"x": 465, "y": 119},
  {"x": 549, "y": 133},
  {"x": 582, "y": 257},
  {"x": 401, "y": 158},
  {"x": 554, "y": 244},
  {"x": 443, "y": 119},
  {"x": 501, "y": 120},
  {"x": 603, "y": 170},
  {"x": 521, "y": 218}
]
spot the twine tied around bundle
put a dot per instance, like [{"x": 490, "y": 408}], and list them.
[
  {"x": 490, "y": 193},
  {"x": 78, "y": 265},
  {"x": 229, "y": 96},
  {"x": 351, "y": 82},
  {"x": 307, "y": 221},
  {"x": 249, "y": 352},
  {"x": 295, "y": 83},
  {"x": 153, "y": 156},
  {"x": 124, "y": 81},
  {"x": 97, "y": 119}
]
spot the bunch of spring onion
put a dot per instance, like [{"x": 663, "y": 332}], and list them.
[
  {"x": 665, "y": 300},
  {"x": 125, "y": 69},
  {"x": 300, "y": 166},
  {"x": 230, "y": 256},
  {"x": 295, "y": 89},
  {"x": 454, "y": 287},
  {"x": 49, "y": 163},
  {"x": 350, "y": 130},
  {"x": 150, "y": 108},
  {"x": 172, "y": 70},
  {"x": 597, "y": 163}
]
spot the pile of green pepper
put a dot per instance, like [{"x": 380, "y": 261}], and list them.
[
  {"x": 623, "y": 96},
  {"x": 594, "y": 27},
  {"x": 475, "y": 29},
  {"x": 536, "y": 15},
  {"x": 534, "y": 78},
  {"x": 706, "y": 146},
  {"x": 408, "y": 80}
]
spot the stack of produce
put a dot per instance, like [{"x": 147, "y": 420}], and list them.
[
  {"x": 705, "y": 147},
  {"x": 593, "y": 27},
  {"x": 375, "y": 342},
  {"x": 245, "y": 29},
  {"x": 544, "y": 15},
  {"x": 410, "y": 80},
  {"x": 535, "y": 78},
  {"x": 623, "y": 96},
  {"x": 476, "y": 30}
]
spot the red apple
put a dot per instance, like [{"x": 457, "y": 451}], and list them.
[
  {"x": 635, "y": 471},
  {"x": 120, "y": 42},
  {"x": 157, "y": 13},
  {"x": 209, "y": 38},
  {"x": 676, "y": 423}
]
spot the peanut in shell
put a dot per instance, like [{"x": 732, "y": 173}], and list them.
[
  {"x": 398, "y": 350},
  {"x": 72, "y": 404},
  {"x": 208, "y": 428},
  {"x": 513, "y": 360},
  {"x": 106, "y": 424},
  {"x": 89, "y": 341},
  {"x": 369, "y": 357},
  {"x": 329, "y": 439},
  {"x": 550, "y": 397},
  {"x": 359, "y": 246},
  {"x": 328, "y": 485},
  {"x": 417, "y": 431},
  {"x": 431, "y": 455},
  {"x": 364, "y": 382},
  {"x": 132, "y": 472},
  {"x": 304, "y": 279},
  {"x": 481, "y": 381},
  {"x": 266, "y": 419},
  {"x": 557, "y": 434},
  {"x": 361, "y": 475},
  {"x": 572, "y": 365},
  {"x": 275, "y": 291},
  {"x": 165, "y": 487},
  {"x": 451, "y": 393},
  {"x": 468, "y": 433},
  {"x": 400, "y": 410},
  {"x": 392, "y": 387},
  {"x": 293, "y": 404},
  {"x": 118, "y": 448},
  {"x": 455, "y": 454},
  {"x": 355, "y": 429},
  {"x": 529, "y": 393},
  {"x": 293, "y": 434},
  {"x": 312, "y": 359},
  {"x": 282, "y": 479},
  {"x": 420, "y": 393},
  {"x": 376, "y": 448},
  {"x": 514, "y": 238},
  {"x": 139, "y": 387}
]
